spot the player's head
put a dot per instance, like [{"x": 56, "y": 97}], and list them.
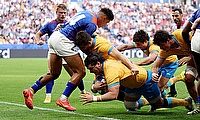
[
  {"x": 162, "y": 38},
  {"x": 141, "y": 39},
  {"x": 84, "y": 42},
  {"x": 105, "y": 15},
  {"x": 94, "y": 62},
  {"x": 177, "y": 15},
  {"x": 61, "y": 12}
]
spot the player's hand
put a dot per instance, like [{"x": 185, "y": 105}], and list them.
[
  {"x": 184, "y": 60},
  {"x": 155, "y": 77},
  {"x": 99, "y": 86},
  {"x": 86, "y": 98},
  {"x": 40, "y": 42}
]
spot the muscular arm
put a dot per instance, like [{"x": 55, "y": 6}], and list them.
[
  {"x": 37, "y": 38},
  {"x": 112, "y": 94},
  {"x": 148, "y": 60},
  {"x": 157, "y": 65},
  {"x": 125, "y": 47},
  {"x": 118, "y": 56},
  {"x": 184, "y": 60},
  {"x": 185, "y": 32},
  {"x": 196, "y": 22}
]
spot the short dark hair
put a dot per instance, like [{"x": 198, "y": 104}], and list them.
[
  {"x": 108, "y": 13},
  {"x": 62, "y": 6},
  {"x": 161, "y": 36},
  {"x": 82, "y": 38},
  {"x": 93, "y": 58},
  {"x": 177, "y": 9},
  {"x": 140, "y": 36}
]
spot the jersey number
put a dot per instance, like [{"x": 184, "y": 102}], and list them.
[{"x": 76, "y": 18}]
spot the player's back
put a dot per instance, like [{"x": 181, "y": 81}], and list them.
[{"x": 83, "y": 20}]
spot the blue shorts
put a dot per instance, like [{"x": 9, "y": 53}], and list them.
[
  {"x": 168, "y": 70},
  {"x": 149, "y": 90}
]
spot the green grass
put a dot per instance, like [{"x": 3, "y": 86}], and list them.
[{"x": 19, "y": 74}]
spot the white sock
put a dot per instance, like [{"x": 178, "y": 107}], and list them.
[
  {"x": 48, "y": 95},
  {"x": 63, "y": 98}
]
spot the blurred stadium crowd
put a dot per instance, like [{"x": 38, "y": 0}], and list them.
[{"x": 19, "y": 21}]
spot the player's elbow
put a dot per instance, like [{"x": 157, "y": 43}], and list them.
[{"x": 114, "y": 96}]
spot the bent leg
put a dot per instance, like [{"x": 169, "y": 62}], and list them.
[
  {"x": 81, "y": 84},
  {"x": 76, "y": 64}
]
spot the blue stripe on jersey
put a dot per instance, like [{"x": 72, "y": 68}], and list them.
[
  {"x": 110, "y": 50},
  {"x": 114, "y": 84},
  {"x": 154, "y": 51}
]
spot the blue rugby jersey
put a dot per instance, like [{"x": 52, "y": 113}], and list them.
[
  {"x": 49, "y": 27},
  {"x": 84, "y": 20},
  {"x": 195, "y": 15}
]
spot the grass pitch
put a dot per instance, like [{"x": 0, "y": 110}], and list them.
[{"x": 19, "y": 74}]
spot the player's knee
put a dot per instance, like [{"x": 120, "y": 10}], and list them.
[
  {"x": 83, "y": 73},
  {"x": 131, "y": 105},
  {"x": 55, "y": 76},
  {"x": 80, "y": 71}
]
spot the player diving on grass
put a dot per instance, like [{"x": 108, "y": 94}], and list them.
[{"x": 136, "y": 85}]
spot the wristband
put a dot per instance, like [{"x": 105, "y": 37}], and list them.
[
  {"x": 97, "y": 98},
  {"x": 92, "y": 88}
]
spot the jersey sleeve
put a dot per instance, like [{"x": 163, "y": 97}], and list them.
[
  {"x": 154, "y": 48},
  {"x": 90, "y": 28},
  {"x": 44, "y": 29},
  {"x": 195, "y": 15}
]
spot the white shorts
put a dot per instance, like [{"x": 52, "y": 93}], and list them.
[
  {"x": 195, "y": 42},
  {"x": 63, "y": 61},
  {"x": 61, "y": 45},
  {"x": 191, "y": 70}
]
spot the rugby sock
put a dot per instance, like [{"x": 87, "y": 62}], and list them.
[
  {"x": 198, "y": 99},
  {"x": 169, "y": 83},
  {"x": 173, "y": 102},
  {"x": 172, "y": 88},
  {"x": 38, "y": 85},
  {"x": 198, "y": 103},
  {"x": 81, "y": 86},
  {"x": 142, "y": 102},
  {"x": 63, "y": 98},
  {"x": 164, "y": 93},
  {"x": 70, "y": 87},
  {"x": 49, "y": 87}
]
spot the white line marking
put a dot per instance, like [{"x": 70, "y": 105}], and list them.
[{"x": 59, "y": 111}]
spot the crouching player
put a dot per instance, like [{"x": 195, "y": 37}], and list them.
[
  {"x": 136, "y": 85},
  {"x": 99, "y": 86}
]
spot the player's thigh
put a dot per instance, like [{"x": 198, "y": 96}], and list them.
[
  {"x": 75, "y": 62},
  {"x": 163, "y": 81},
  {"x": 191, "y": 69},
  {"x": 68, "y": 69},
  {"x": 55, "y": 64}
]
